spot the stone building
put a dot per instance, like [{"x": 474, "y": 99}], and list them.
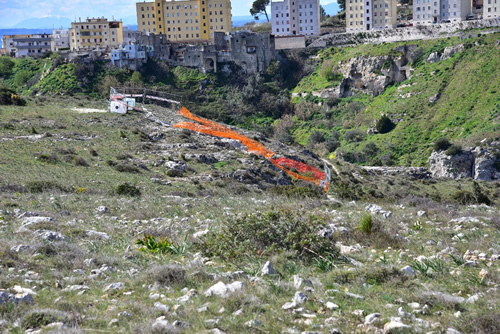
[
  {"x": 295, "y": 17},
  {"x": 31, "y": 45},
  {"x": 185, "y": 20},
  {"x": 369, "y": 15},
  {"x": 491, "y": 9},
  {"x": 95, "y": 33}
]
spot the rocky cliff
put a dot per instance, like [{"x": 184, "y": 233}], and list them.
[{"x": 476, "y": 163}]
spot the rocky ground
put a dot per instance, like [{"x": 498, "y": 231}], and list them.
[{"x": 116, "y": 223}]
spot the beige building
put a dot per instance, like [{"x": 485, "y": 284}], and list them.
[
  {"x": 93, "y": 33},
  {"x": 185, "y": 20},
  {"x": 491, "y": 9},
  {"x": 365, "y": 15}
]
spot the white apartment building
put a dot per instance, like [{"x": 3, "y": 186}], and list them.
[
  {"x": 21, "y": 46},
  {"x": 491, "y": 9},
  {"x": 436, "y": 11},
  {"x": 295, "y": 17},
  {"x": 60, "y": 40},
  {"x": 365, "y": 15}
]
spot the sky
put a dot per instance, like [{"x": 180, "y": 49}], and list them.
[{"x": 15, "y": 11}]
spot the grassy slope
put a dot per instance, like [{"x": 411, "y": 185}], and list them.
[{"x": 467, "y": 110}]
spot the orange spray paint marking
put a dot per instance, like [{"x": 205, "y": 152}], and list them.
[{"x": 217, "y": 130}]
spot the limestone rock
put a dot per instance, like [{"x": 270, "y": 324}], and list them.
[
  {"x": 49, "y": 235},
  {"x": 371, "y": 318},
  {"x": 433, "y": 58},
  {"x": 223, "y": 290},
  {"x": 451, "y": 50},
  {"x": 115, "y": 286},
  {"x": 396, "y": 327},
  {"x": 268, "y": 269},
  {"x": 102, "y": 209},
  {"x": 97, "y": 235},
  {"x": 408, "y": 271}
]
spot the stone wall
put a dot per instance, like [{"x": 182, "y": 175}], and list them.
[
  {"x": 404, "y": 34},
  {"x": 290, "y": 42}
]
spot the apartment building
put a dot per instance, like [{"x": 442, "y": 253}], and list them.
[
  {"x": 295, "y": 17},
  {"x": 365, "y": 15},
  {"x": 29, "y": 45},
  {"x": 60, "y": 40},
  {"x": 185, "y": 20},
  {"x": 95, "y": 33},
  {"x": 491, "y": 9},
  {"x": 436, "y": 11}
]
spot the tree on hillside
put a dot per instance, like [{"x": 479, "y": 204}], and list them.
[
  {"x": 322, "y": 13},
  {"x": 259, "y": 8}
]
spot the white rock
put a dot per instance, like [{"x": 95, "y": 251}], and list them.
[
  {"x": 268, "y": 269},
  {"x": 331, "y": 306},
  {"x": 115, "y": 286},
  {"x": 452, "y": 331},
  {"x": 21, "y": 290},
  {"x": 369, "y": 319},
  {"x": 298, "y": 282},
  {"x": 102, "y": 209},
  {"x": 49, "y": 235},
  {"x": 161, "y": 307},
  {"x": 408, "y": 271},
  {"x": 221, "y": 289},
  {"x": 402, "y": 313},
  {"x": 35, "y": 220},
  {"x": 98, "y": 235},
  {"x": 199, "y": 234},
  {"x": 191, "y": 293},
  {"x": 421, "y": 213},
  {"x": 300, "y": 298},
  {"x": 253, "y": 323},
  {"x": 394, "y": 327},
  {"x": 288, "y": 306},
  {"x": 21, "y": 248},
  {"x": 414, "y": 305}
]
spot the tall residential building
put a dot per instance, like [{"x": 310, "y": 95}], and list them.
[
  {"x": 93, "y": 33},
  {"x": 365, "y": 15},
  {"x": 21, "y": 46},
  {"x": 295, "y": 17},
  {"x": 435, "y": 11},
  {"x": 491, "y": 9},
  {"x": 185, "y": 20}
]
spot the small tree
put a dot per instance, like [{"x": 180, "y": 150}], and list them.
[
  {"x": 6, "y": 66},
  {"x": 441, "y": 144},
  {"x": 137, "y": 78},
  {"x": 384, "y": 125},
  {"x": 259, "y": 8}
]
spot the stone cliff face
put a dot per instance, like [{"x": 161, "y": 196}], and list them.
[
  {"x": 371, "y": 75},
  {"x": 476, "y": 163}
]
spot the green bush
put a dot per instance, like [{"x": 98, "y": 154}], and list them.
[
  {"x": 441, "y": 144},
  {"x": 453, "y": 150},
  {"x": 316, "y": 137},
  {"x": 384, "y": 125},
  {"x": 41, "y": 186},
  {"x": 366, "y": 223},
  {"x": 6, "y": 66},
  {"x": 354, "y": 136},
  {"x": 128, "y": 190},
  {"x": 268, "y": 233},
  {"x": 331, "y": 144},
  {"x": 9, "y": 97}
]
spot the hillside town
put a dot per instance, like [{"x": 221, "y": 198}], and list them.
[{"x": 199, "y": 33}]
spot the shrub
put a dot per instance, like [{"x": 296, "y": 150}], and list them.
[
  {"x": 41, "y": 186},
  {"x": 167, "y": 275},
  {"x": 6, "y": 66},
  {"x": 48, "y": 158},
  {"x": 354, "y": 136},
  {"x": 384, "y": 125},
  {"x": 128, "y": 190},
  {"x": 9, "y": 97},
  {"x": 39, "y": 318},
  {"x": 453, "y": 150},
  {"x": 330, "y": 72},
  {"x": 127, "y": 169},
  {"x": 267, "y": 233},
  {"x": 80, "y": 162},
  {"x": 331, "y": 144},
  {"x": 366, "y": 223},
  {"x": 316, "y": 137},
  {"x": 441, "y": 144}
]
